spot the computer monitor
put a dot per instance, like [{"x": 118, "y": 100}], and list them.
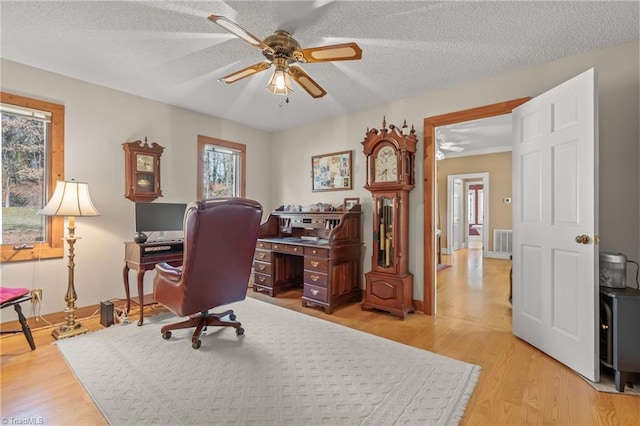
[{"x": 159, "y": 217}]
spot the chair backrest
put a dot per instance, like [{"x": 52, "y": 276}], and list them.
[{"x": 220, "y": 238}]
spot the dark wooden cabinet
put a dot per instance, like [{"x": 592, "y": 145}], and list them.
[
  {"x": 142, "y": 171},
  {"x": 318, "y": 251},
  {"x": 620, "y": 332}
]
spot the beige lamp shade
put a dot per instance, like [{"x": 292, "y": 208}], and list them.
[
  {"x": 280, "y": 83},
  {"x": 70, "y": 198}
]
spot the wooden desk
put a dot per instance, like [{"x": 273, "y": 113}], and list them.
[
  {"x": 144, "y": 257},
  {"x": 328, "y": 269}
]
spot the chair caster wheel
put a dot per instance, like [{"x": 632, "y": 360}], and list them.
[
  {"x": 196, "y": 344},
  {"x": 166, "y": 335},
  {"x": 239, "y": 331},
  {"x": 232, "y": 317}
]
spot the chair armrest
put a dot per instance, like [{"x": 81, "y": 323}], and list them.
[{"x": 168, "y": 272}]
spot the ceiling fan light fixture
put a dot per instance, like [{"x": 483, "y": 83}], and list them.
[{"x": 280, "y": 83}]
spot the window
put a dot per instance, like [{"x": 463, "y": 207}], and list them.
[
  {"x": 221, "y": 168},
  {"x": 32, "y": 161}
]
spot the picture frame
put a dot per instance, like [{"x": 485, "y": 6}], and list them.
[
  {"x": 331, "y": 172},
  {"x": 350, "y": 202}
]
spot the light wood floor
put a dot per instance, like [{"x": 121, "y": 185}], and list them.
[{"x": 518, "y": 384}]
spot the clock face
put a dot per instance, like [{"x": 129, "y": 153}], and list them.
[
  {"x": 386, "y": 165},
  {"x": 144, "y": 163}
]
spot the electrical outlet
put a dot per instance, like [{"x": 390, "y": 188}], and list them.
[{"x": 36, "y": 295}]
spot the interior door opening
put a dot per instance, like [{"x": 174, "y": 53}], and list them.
[{"x": 430, "y": 182}]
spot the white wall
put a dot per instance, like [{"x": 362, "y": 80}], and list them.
[
  {"x": 618, "y": 77},
  {"x": 97, "y": 121}
]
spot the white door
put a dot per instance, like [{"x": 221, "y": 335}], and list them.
[
  {"x": 457, "y": 214},
  {"x": 555, "y": 285}
]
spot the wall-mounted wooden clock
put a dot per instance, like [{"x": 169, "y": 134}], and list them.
[
  {"x": 142, "y": 170},
  {"x": 390, "y": 156}
]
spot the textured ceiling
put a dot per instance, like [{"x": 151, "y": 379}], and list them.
[{"x": 170, "y": 52}]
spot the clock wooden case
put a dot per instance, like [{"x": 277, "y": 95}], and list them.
[
  {"x": 390, "y": 174},
  {"x": 142, "y": 170}
]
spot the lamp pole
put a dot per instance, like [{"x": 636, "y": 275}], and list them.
[{"x": 71, "y": 328}]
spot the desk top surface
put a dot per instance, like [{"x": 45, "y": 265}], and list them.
[
  {"x": 297, "y": 241},
  {"x": 628, "y": 292}
]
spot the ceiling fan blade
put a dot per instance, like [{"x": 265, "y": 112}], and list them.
[
  {"x": 334, "y": 52},
  {"x": 307, "y": 83},
  {"x": 240, "y": 32},
  {"x": 245, "y": 72}
]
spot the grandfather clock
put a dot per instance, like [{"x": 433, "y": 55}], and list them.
[{"x": 390, "y": 156}]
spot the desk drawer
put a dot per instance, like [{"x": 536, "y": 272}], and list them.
[
  {"x": 315, "y": 293},
  {"x": 314, "y": 251},
  {"x": 315, "y": 278},
  {"x": 262, "y": 279},
  {"x": 263, "y": 255},
  {"x": 316, "y": 264},
  {"x": 262, "y": 267},
  {"x": 263, "y": 245},
  {"x": 287, "y": 248}
]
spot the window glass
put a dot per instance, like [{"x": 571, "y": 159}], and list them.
[
  {"x": 220, "y": 172},
  {"x": 25, "y": 139},
  {"x": 32, "y": 161},
  {"x": 221, "y": 168}
]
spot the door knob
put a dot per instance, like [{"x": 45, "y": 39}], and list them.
[{"x": 583, "y": 239}]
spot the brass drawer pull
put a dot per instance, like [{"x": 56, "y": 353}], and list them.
[
  {"x": 262, "y": 267},
  {"x": 295, "y": 249},
  {"x": 314, "y": 251},
  {"x": 261, "y": 279},
  {"x": 315, "y": 277},
  {"x": 315, "y": 292},
  {"x": 275, "y": 246},
  {"x": 315, "y": 263},
  {"x": 262, "y": 255}
]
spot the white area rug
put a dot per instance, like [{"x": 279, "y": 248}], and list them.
[{"x": 288, "y": 368}]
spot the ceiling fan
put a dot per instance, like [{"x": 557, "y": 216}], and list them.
[
  {"x": 283, "y": 51},
  {"x": 444, "y": 145},
  {"x": 452, "y": 146}
]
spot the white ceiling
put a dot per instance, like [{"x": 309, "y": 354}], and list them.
[
  {"x": 475, "y": 137},
  {"x": 170, "y": 52}
]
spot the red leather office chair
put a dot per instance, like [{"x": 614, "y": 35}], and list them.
[{"x": 220, "y": 238}]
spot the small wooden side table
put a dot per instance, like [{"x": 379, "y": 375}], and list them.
[{"x": 144, "y": 257}]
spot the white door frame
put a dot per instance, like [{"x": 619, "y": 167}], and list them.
[{"x": 484, "y": 176}]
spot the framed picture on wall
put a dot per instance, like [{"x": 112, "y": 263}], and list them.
[
  {"x": 350, "y": 202},
  {"x": 331, "y": 172}
]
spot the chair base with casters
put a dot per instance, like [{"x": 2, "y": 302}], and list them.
[
  {"x": 201, "y": 321},
  {"x": 14, "y": 297}
]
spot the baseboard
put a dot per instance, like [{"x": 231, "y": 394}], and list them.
[
  {"x": 54, "y": 317},
  {"x": 498, "y": 255}
]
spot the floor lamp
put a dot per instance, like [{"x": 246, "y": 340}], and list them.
[{"x": 71, "y": 199}]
